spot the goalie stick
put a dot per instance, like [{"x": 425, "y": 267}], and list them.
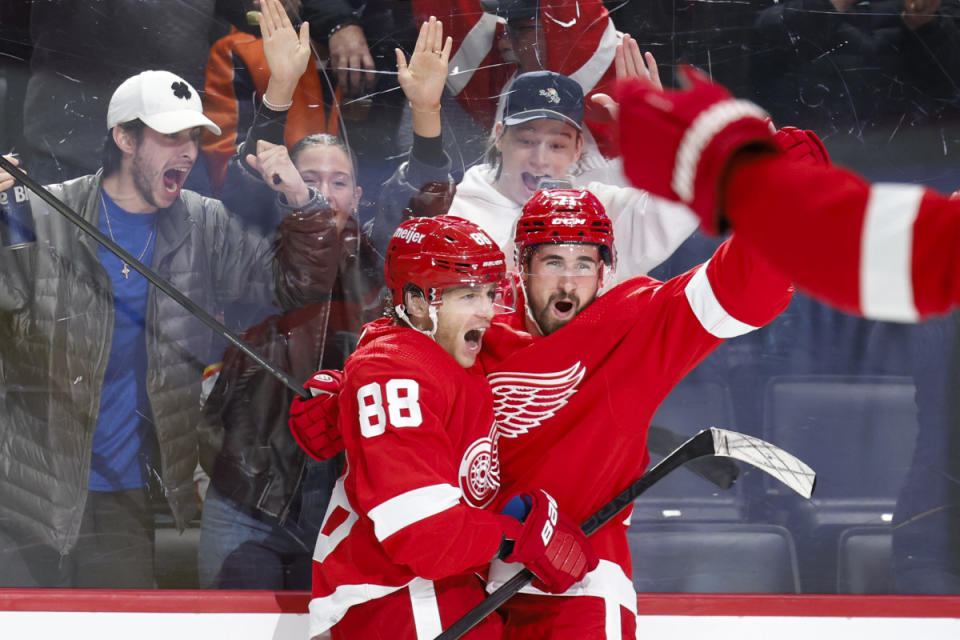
[
  {"x": 150, "y": 275},
  {"x": 710, "y": 442}
]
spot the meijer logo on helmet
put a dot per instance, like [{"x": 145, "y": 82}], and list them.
[{"x": 409, "y": 235}]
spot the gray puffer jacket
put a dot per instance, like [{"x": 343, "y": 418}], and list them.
[{"x": 56, "y": 324}]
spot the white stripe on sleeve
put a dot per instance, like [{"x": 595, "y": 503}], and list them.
[
  {"x": 593, "y": 69},
  {"x": 413, "y": 506},
  {"x": 886, "y": 252},
  {"x": 474, "y": 48},
  {"x": 708, "y": 310}
]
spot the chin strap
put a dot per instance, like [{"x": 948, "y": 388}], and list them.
[{"x": 431, "y": 312}]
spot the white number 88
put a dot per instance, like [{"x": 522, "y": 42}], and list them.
[{"x": 404, "y": 410}]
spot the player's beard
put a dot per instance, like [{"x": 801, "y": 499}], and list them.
[{"x": 548, "y": 324}]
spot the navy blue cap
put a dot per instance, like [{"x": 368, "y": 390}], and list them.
[{"x": 544, "y": 94}]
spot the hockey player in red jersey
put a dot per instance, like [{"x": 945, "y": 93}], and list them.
[
  {"x": 577, "y": 378},
  {"x": 883, "y": 251},
  {"x": 406, "y": 531}
]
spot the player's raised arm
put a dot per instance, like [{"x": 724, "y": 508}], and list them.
[{"x": 884, "y": 251}]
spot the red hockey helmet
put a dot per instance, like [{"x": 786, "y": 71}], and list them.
[
  {"x": 565, "y": 216},
  {"x": 440, "y": 252}
]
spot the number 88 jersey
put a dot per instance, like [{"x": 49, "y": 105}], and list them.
[{"x": 421, "y": 465}]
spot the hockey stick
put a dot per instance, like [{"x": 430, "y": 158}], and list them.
[
  {"x": 721, "y": 472},
  {"x": 710, "y": 442},
  {"x": 149, "y": 274}
]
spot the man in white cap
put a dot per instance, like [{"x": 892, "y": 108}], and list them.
[{"x": 100, "y": 374}]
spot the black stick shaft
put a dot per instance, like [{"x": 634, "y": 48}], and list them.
[
  {"x": 696, "y": 447},
  {"x": 149, "y": 274}
]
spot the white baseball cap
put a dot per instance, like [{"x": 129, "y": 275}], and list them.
[{"x": 164, "y": 101}]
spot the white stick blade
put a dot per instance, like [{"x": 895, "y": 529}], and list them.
[{"x": 783, "y": 466}]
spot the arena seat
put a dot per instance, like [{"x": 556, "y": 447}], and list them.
[
  {"x": 864, "y": 560},
  {"x": 858, "y": 434},
  {"x": 693, "y": 405},
  {"x": 712, "y": 557}
]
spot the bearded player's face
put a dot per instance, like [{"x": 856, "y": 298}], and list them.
[
  {"x": 161, "y": 164},
  {"x": 561, "y": 280}
]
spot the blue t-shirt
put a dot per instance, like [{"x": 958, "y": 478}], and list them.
[{"x": 121, "y": 441}]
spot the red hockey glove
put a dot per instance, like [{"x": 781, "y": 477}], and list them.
[
  {"x": 802, "y": 145},
  {"x": 313, "y": 421},
  {"x": 549, "y": 544},
  {"x": 677, "y": 143}
]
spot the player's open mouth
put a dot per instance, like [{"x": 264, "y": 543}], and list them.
[
  {"x": 173, "y": 179},
  {"x": 531, "y": 181},
  {"x": 473, "y": 339},
  {"x": 563, "y": 308}
]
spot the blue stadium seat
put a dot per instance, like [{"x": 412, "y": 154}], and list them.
[
  {"x": 864, "y": 560},
  {"x": 712, "y": 557},
  {"x": 693, "y": 405}
]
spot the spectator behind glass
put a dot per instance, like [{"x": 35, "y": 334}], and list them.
[
  {"x": 83, "y": 49},
  {"x": 266, "y": 500},
  {"x": 242, "y": 83},
  {"x": 101, "y": 375},
  {"x": 540, "y": 136}
]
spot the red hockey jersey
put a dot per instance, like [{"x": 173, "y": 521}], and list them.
[
  {"x": 573, "y": 408},
  {"x": 580, "y": 42},
  {"x": 883, "y": 251},
  {"x": 417, "y": 429}
]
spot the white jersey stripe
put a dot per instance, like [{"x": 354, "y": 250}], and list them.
[
  {"x": 327, "y": 543},
  {"x": 413, "y": 506},
  {"x": 329, "y": 610},
  {"x": 708, "y": 310},
  {"x": 607, "y": 581},
  {"x": 426, "y": 609},
  {"x": 593, "y": 69},
  {"x": 471, "y": 52},
  {"x": 886, "y": 252}
]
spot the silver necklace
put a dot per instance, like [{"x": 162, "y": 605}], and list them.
[{"x": 126, "y": 268}]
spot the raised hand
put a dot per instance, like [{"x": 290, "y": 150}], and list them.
[
  {"x": 629, "y": 63},
  {"x": 287, "y": 52},
  {"x": 423, "y": 78},
  {"x": 277, "y": 170}
]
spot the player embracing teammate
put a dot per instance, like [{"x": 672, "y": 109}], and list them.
[
  {"x": 577, "y": 377},
  {"x": 406, "y": 531}
]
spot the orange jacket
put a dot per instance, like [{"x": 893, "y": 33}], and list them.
[{"x": 237, "y": 76}]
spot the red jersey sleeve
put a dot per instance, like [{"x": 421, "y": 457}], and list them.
[
  {"x": 407, "y": 424},
  {"x": 883, "y": 251}
]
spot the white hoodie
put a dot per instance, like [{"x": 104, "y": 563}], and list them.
[{"x": 646, "y": 229}]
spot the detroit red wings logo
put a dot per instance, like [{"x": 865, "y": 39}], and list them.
[
  {"x": 480, "y": 471},
  {"x": 522, "y": 401}
]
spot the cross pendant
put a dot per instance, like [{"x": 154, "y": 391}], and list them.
[{"x": 125, "y": 271}]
